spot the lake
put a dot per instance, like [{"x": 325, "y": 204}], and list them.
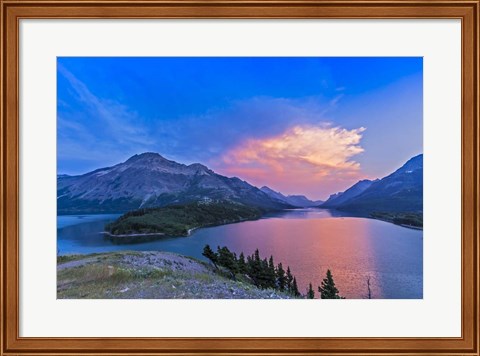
[{"x": 310, "y": 241}]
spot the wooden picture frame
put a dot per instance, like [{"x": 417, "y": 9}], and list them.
[{"x": 14, "y": 10}]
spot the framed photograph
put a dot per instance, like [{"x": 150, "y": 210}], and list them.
[{"x": 229, "y": 177}]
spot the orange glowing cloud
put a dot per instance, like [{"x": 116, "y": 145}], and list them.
[{"x": 310, "y": 160}]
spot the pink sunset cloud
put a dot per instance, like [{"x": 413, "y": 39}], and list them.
[{"x": 311, "y": 160}]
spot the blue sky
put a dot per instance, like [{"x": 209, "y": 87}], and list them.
[{"x": 300, "y": 125}]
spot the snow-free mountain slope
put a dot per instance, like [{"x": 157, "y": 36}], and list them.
[
  {"x": 299, "y": 201},
  {"x": 148, "y": 180},
  {"x": 400, "y": 191}
]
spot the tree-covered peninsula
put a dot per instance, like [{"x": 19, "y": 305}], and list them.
[{"x": 179, "y": 220}]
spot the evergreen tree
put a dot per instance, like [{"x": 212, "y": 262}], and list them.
[
  {"x": 264, "y": 278},
  {"x": 212, "y": 256},
  {"x": 242, "y": 265},
  {"x": 289, "y": 280},
  {"x": 249, "y": 262},
  {"x": 281, "y": 277},
  {"x": 271, "y": 273},
  {"x": 295, "y": 291},
  {"x": 262, "y": 273},
  {"x": 256, "y": 256},
  {"x": 228, "y": 260},
  {"x": 254, "y": 265},
  {"x": 327, "y": 289},
  {"x": 310, "y": 292}
]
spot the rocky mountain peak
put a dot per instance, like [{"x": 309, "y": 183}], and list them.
[
  {"x": 200, "y": 167},
  {"x": 147, "y": 156},
  {"x": 411, "y": 165},
  {"x": 150, "y": 180}
]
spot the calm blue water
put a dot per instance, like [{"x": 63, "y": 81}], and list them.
[{"x": 308, "y": 240}]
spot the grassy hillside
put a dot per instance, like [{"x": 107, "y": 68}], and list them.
[
  {"x": 177, "y": 220},
  {"x": 154, "y": 275}
]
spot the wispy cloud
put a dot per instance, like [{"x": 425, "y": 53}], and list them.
[
  {"x": 98, "y": 128},
  {"x": 312, "y": 159},
  {"x": 335, "y": 100}
]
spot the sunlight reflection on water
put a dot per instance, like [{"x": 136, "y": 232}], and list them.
[{"x": 308, "y": 240}]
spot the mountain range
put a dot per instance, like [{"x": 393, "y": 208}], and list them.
[
  {"x": 339, "y": 198},
  {"x": 298, "y": 201},
  {"x": 400, "y": 191},
  {"x": 150, "y": 180}
]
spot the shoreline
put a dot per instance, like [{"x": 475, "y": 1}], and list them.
[
  {"x": 354, "y": 214},
  {"x": 410, "y": 226},
  {"x": 189, "y": 231},
  {"x": 133, "y": 235},
  {"x": 402, "y": 225},
  {"x": 188, "y": 234}
]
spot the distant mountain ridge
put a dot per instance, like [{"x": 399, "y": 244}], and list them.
[
  {"x": 338, "y": 199},
  {"x": 298, "y": 201},
  {"x": 150, "y": 180},
  {"x": 401, "y": 191}
]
